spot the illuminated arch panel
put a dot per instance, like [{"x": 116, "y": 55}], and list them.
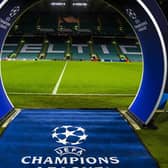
[{"x": 148, "y": 22}]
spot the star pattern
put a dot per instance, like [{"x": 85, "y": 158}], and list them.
[{"x": 69, "y": 131}]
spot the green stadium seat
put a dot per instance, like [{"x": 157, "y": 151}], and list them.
[
  {"x": 106, "y": 52},
  {"x": 132, "y": 52},
  {"x": 8, "y": 49},
  {"x": 56, "y": 51},
  {"x": 80, "y": 52},
  {"x": 27, "y": 56}
]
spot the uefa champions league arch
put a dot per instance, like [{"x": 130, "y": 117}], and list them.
[{"x": 150, "y": 26}]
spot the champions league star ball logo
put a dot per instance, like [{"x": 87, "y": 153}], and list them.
[
  {"x": 14, "y": 11},
  {"x": 131, "y": 14},
  {"x": 69, "y": 136}
]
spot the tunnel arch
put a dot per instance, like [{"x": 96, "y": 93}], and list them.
[{"x": 149, "y": 24}]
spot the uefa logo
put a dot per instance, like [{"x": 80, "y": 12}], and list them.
[{"x": 70, "y": 137}]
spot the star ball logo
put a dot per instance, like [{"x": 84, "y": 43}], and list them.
[
  {"x": 69, "y": 136},
  {"x": 131, "y": 14}
]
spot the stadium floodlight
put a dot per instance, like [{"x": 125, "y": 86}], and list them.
[
  {"x": 3, "y": 3},
  {"x": 79, "y": 4},
  {"x": 58, "y": 4}
]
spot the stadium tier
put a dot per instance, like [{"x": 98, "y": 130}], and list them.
[
  {"x": 9, "y": 49},
  {"x": 106, "y": 52},
  {"x": 60, "y": 21},
  {"x": 80, "y": 52},
  {"x": 51, "y": 51},
  {"x": 133, "y": 52},
  {"x": 56, "y": 51},
  {"x": 29, "y": 51},
  {"x": 51, "y": 31}
]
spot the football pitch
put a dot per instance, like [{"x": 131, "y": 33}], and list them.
[{"x": 60, "y": 84}]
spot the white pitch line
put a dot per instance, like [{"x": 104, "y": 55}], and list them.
[
  {"x": 90, "y": 94},
  {"x": 55, "y": 90},
  {"x": 73, "y": 94}
]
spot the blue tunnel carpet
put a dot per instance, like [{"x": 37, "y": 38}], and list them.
[{"x": 72, "y": 139}]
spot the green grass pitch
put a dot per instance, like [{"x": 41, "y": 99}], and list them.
[
  {"x": 79, "y": 77},
  {"x": 31, "y": 83},
  {"x": 30, "y": 76},
  {"x": 83, "y": 85}
]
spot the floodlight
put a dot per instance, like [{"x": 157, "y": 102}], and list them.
[
  {"x": 79, "y": 4},
  {"x": 58, "y": 4}
]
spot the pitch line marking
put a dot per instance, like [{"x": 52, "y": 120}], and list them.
[
  {"x": 73, "y": 94},
  {"x": 90, "y": 94},
  {"x": 55, "y": 90}
]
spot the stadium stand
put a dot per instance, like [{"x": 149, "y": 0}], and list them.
[
  {"x": 8, "y": 50},
  {"x": 106, "y": 52},
  {"x": 56, "y": 51},
  {"x": 68, "y": 22},
  {"x": 29, "y": 51},
  {"x": 92, "y": 53},
  {"x": 47, "y": 23},
  {"x": 80, "y": 52},
  {"x": 25, "y": 26},
  {"x": 87, "y": 24},
  {"x": 68, "y": 50},
  {"x": 92, "y": 36},
  {"x": 60, "y": 20},
  {"x": 18, "y": 49},
  {"x": 122, "y": 56},
  {"x": 43, "y": 53},
  {"x": 112, "y": 52},
  {"x": 132, "y": 52},
  {"x": 134, "y": 58},
  {"x": 27, "y": 56},
  {"x": 46, "y": 34}
]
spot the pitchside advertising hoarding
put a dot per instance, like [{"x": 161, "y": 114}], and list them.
[{"x": 148, "y": 22}]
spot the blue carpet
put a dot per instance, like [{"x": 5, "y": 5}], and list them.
[{"x": 72, "y": 139}]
